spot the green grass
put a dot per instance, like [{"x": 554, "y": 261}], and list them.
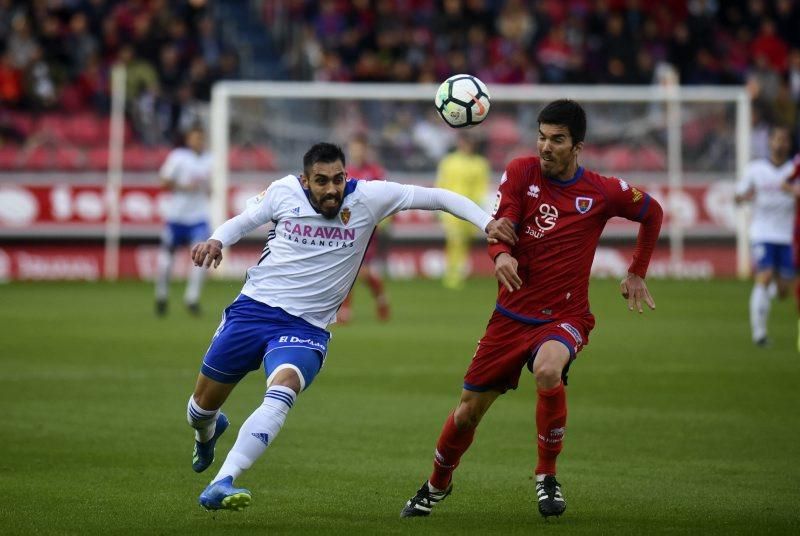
[{"x": 677, "y": 423}]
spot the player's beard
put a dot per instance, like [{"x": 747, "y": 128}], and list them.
[{"x": 328, "y": 210}]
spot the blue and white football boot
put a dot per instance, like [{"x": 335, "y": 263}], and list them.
[
  {"x": 221, "y": 495},
  {"x": 203, "y": 455}
]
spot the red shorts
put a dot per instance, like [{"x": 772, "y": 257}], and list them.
[{"x": 508, "y": 345}]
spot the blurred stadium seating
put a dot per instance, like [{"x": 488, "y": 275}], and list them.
[{"x": 57, "y": 55}]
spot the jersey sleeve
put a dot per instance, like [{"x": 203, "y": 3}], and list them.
[
  {"x": 169, "y": 168},
  {"x": 507, "y": 204},
  {"x": 634, "y": 204},
  {"x": 259, "y": 210},
  {"x": 747, "y": 183},
  {"x": 385, "y": 198}
]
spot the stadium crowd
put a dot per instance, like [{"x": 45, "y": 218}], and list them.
[{"x": 55, "y": 55}]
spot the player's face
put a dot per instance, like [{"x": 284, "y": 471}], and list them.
[
  {"x": 195, "y": 140},
  {"x": 325, "y": 183},
  {"x": 780, "y": 143},
  {"x": 557, "y": 154}
]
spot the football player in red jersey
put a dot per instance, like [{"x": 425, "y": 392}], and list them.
[
  {"x": 361, "y": 167},
  {"x": 793, "y": 185},
  {"x": 542, "y": 317}
]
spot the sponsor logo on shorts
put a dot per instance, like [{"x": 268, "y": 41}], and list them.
[
  {"x": 569, "y": 328},
  {"x": 298, "y": 340}
]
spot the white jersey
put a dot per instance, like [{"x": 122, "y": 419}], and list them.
[
  {"x": 186, "y": 168},
  {"x": 310, "y": 262},
  {"x": 773, "y": 208}
]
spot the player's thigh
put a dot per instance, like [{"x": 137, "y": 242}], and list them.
[
  {"x": 299, "y": 347},
  {"x": 500, "y": 356},
  {"x": 766, "y": 258},
  {"x": 292, "y": 366},
  {"x": 556, "y": 345},
  {"x": 785, "y": 264},
  {"x": 237, "y": 346}
]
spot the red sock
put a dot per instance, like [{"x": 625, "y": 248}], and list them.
[
  {"x": 375, "y": 284},
  {"x": 551, "y": 417},
  {"x": 452, "y": 444}
]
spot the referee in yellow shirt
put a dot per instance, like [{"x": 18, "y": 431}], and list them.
[{"x": 466, "y": 173}]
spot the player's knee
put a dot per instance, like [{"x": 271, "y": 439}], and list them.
[
  {"x": 549, "y": 365},
  {"x": 287, "y": 377}
]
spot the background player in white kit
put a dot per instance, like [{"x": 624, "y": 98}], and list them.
[
  {"x": 186, "y": 173},
  {"x": 323, "y": 223},
  {"x": 771, "y": 228}
]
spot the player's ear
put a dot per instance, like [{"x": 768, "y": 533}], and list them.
[
  {"x": 577, "y": 148},
  {"x": 304, "y": 181}
]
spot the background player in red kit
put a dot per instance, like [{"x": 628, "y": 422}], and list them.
[
  {"x": 542, "y": 317},
  {"x": 793, "y": 185},
  {"x": 361, "y": 166}
]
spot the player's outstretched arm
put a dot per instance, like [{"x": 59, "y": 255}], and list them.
[
  {"x": 207, "y": 253},
  {"x": 464, "y": 208},
  {"x": 634, "y": 289}
]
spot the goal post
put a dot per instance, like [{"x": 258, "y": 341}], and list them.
[{"x": 675, "y": 123}]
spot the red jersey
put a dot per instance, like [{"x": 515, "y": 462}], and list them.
[
  {"x": 559, "y": 226},
  {"x": 367, "y": 171}
]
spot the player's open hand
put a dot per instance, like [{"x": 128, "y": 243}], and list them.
[
  {"x": 207, "y": 253},
  {"x": 634, "y": 289},
  {"x": 501, "y": 230},
  {"x": 505, "y": 270}
]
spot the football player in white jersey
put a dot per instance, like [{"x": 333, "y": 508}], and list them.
[
  {"x": 186, "y": 173},
  {"x": 771, "y": 228},
  {"x": 322, "y": 225}
]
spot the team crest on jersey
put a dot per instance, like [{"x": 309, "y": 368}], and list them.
[
  {"x": 583, "y": 204},
  {"x": 345, "y": 215}
]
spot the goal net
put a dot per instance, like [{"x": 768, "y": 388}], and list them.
[{"x": 686, "y": 145}]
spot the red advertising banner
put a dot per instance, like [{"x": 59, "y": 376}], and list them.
[
  {"x": 702, "y": 209},
  {"x": 85, "y": 262}
]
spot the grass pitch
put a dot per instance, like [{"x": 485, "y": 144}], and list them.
[{"x": 677, "y": 423}]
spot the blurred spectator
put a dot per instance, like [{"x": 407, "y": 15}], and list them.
[
  {"x": 56, "y": 54},
  {"x": 11, "y": 93}
]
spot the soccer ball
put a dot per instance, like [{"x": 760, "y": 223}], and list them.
[{"x": 463, "y": 101}]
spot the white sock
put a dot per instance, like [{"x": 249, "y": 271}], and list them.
[
  {"x": 772, "y": 290},
  {"x": 196, "y": 277},
  {"x": 759, "y": 311},
  {"x": 258, "y": 432},
  {"x": 202, "y": 420},
  {"x": 163, "y": 271}
]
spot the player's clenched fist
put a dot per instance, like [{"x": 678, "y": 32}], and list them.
[{"x": 206, "y": 253}]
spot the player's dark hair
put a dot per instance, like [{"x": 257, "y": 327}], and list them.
[
  {"x": 322, "y": 152},
  {"x": 565, "y": 112}
]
